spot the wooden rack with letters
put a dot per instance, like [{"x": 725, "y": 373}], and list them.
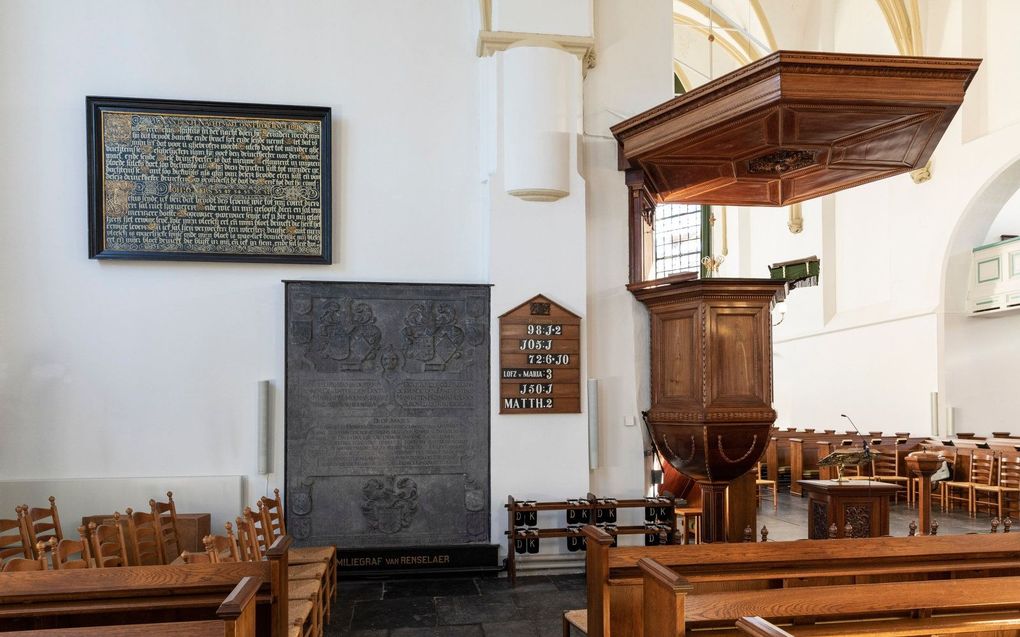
[{"x": 524, "y": 534}]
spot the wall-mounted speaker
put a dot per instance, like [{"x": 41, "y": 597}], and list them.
[
  {"x": 593, "y": 424},
  {"x": 264, "y": 410}
]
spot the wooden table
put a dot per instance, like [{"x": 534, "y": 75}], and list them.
[{"x": 862, "y": 503}]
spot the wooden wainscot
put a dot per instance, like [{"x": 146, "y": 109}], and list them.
[
  {"x": 133, "y": 595},
  {"x": 539, "y": 359},
  {"x": 616, "y": 583}
]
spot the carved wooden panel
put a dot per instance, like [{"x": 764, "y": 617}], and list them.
[
  {"x": 794, "y": 126},
  {"x": 739, "y": 371},
  {"x": 679, "y": 366}
]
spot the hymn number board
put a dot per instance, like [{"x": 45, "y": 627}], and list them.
[{"x": 539, "y": 359}]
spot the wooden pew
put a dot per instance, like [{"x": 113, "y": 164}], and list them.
[
  {"x": 236, "y": 619},
  {"x": 614, "y": 580},
  {"x": 143, "y": 594},
  {"x": 979, "y": 606}
]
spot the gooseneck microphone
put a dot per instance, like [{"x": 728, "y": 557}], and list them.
[{"x": 867, "y": 451}]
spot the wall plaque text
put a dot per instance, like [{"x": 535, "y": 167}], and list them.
[
  {"x": 539, "y": 359},
  {"x": 208, "y": 181}
]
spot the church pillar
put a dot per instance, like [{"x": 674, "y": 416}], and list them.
[{"x": 531, "y": 65}]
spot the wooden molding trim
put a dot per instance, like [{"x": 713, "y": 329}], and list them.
[{"x": 492, "y": 42}]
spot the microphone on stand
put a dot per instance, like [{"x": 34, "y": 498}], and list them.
[{"x": 867, "y": 450}]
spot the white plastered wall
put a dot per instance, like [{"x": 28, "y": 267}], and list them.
[{"x": 151, "y": 368}]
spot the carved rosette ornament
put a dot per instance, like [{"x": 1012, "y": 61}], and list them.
[{"x": 711, "y": 380}]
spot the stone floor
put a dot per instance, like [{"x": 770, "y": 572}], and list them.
[
  {"x": 489, "y": 607},
  {"x": 457, "y": 607}
]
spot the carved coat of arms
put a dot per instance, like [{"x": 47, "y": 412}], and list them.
[{"x": 389, "y": 503}]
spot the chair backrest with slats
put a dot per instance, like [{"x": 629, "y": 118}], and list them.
[
  {"x": 885, "y": 464},
  {"x": 982, "y": 468},
  {"x": 222, "y": 548},
  {"x": 109, "y": 547},
  {"x": 69, "y": 554},
  {"x": 143, "y": 539},
  {"x": 1009, "y": 472},
  {"x": 273, "y": 518},
  {"x": 258, "y": 528},
  {"x": 165, "y": 516},
  {"x": 14, "y": 540},
  {"x": 20, "y": 564},
  {"x": 43, "y": 523},
  {"x": 247, "y": 539}
]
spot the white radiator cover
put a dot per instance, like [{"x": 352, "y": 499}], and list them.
[{"x": 222, "y": 496}]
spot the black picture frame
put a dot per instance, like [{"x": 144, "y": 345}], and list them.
[{"x": 231, "y": 245}]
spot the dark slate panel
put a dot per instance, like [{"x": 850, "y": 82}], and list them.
[{"x": 387, "y": 414}]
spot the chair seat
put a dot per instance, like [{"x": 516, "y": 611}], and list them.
[
  {"x": 577, "y": 619},
  {"x": 310, "y": 554},
  {"x": 891, "y": 478},
  {"x": 994, "y": 488},
  {"x": 952, "y": 483},
  {"x": 307, "y": 571},
  {"x": 303, "y": 589},
  {"x": 298, "y": 613}
]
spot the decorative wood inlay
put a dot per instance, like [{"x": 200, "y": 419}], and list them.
[
  {"x": 722, "y": 450},
  {"x": 819, "y": 519},
  {"x": 858, "y": 517},
  {"x": 780, "y": 161}
]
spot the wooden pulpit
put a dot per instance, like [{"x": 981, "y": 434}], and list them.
[{"x": 711, "y": 381}]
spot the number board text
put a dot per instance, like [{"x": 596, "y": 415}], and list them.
[{"x": 540, "y": 359}]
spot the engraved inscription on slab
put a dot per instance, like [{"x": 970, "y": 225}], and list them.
[
  {"x": 188, "y": 180},
  {"x": 387, "y": 414}
]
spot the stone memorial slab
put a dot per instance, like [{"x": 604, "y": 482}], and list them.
[{"x": 387, "y": 414}]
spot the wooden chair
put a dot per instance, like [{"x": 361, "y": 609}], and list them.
[
  {"x": 189, "y": 557},
  {"x": 1008, "y": 484},
  {"x": 304, "y": 616},
  {"x": 144, "y": 546},
  {"x": 222, "y": 548},
  {"x": 109, "y": 548},
  {"x": 768, "y": 484},
  {"x": 885, "y": 467},
  {"x": 256, "y": 538},
  {"x": 14, "y": 540},
  {"x": 981, "y": 473},
  {"x": 42, "y": 523},
  {"x": 274, "y": 521},
  {"x": 164, "y": 515},
  {"x": 64, "y": 549},
  {"x": 21, "y": 564}
]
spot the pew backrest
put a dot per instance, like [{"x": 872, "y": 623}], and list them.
[
  {"x": 614, "y": 579},
  {"x": 143, "y": 594}
]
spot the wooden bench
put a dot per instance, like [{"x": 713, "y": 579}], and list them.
[
  {"x": 614, "y": 580},
  {"x": 144, "y": 594},
  {"x": 236, "y": 619},
  {"x": 978, "y": 606}
]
